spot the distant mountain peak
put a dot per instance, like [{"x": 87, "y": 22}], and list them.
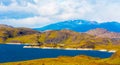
[
  {"x": 81, "y": 26},
  {"x": 79, "y": 21}
]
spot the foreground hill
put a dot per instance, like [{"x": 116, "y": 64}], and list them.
[
  {"x": 76, "y": 60},
  {"x": 81, "y": 26}
]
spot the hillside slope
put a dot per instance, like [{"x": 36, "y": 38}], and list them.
[
  {"x": 10, "y": 32},
  {"x": 67, "y": 39},
  {"x": 99, "y": 32}
]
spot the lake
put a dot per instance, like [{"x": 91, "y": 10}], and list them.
[{"x": 11, "y": 53}]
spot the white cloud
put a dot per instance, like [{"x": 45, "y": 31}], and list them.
[
  {"x": 27, "y": 22},
  {"x": 105, "y": 11},
  {"x": 50, "y": 11}
]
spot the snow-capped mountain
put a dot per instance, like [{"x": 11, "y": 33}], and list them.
[{"x": 81, "y": 26}]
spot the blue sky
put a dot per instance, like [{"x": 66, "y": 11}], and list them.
[{"x": 38, "y": 13}]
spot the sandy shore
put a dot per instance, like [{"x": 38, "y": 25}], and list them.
[
  {"x": 18, "y": 43},
  {"x": 15, "y": 43},
  {"x": 102, "y": 50}
]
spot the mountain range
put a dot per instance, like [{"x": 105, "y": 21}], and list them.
[
  {"x": 95, "y": 38},
  {"x": 81, "y": 26}
]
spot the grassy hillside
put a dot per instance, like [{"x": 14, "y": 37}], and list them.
[
  {"x": 63, "y": 39},
  {"x": 29, "y": 39},
  {"x": 67, "y": 39},
  {"x": 7, "y": 32}
]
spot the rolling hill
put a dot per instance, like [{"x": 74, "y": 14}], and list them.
[
  {"x": 95, "y": 38},
  {"x": 7, "y": 31},
  {"x": 100, "y": 32}
]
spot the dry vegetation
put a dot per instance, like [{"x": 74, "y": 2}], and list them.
[{"x": 66, "y": 39}]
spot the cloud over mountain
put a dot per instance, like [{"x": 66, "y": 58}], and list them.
[{"x": 37, "y": 13}]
